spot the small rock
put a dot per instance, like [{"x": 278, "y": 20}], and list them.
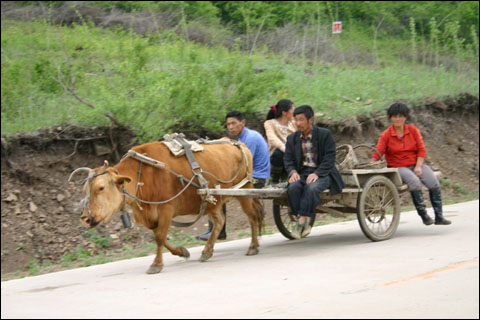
[
  {"x": 60, "y": 197},
  {"x": 101, "y": 150},
  {"x": 32, "y": 207},
  {"x": 11, "y": 197}
]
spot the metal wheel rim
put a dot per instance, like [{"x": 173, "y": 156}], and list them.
[
  {"x": 380, "y": 205},
  {"x": 289, "y": 220}
]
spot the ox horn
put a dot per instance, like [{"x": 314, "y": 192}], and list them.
[
  {"x": 78, "y": 170},
  {"x": 105, "y": 164}
]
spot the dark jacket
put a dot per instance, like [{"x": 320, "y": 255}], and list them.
[{"x": 324, "y": 149}]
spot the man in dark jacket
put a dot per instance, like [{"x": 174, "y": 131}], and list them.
[{"x": 310, "y": 163}]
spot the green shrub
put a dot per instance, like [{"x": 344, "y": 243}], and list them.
[
  {"x": 460, "y": 188},
  {"x": 160, "y": 83},
  {"x": 445, "y": 182}
]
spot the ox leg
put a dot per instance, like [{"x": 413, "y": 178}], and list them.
[
  {"x": 178, "y": 251},
  {"x": 218, "y": 220},
  {"x": 253, "y": 208},
  {"x": 160, "y": 234},
  {"x": 161, "y": 238}
]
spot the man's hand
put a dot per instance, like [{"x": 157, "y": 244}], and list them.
[
  {"x": 294, "y": 177},
  {"x": 312, "y": 177}
]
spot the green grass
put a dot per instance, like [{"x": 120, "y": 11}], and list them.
[{"x": 159, "y": 83}]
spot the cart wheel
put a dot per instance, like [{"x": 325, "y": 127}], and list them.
[
  {"x": 285, "y": 221},
  {"x": 378, "y": 208}
]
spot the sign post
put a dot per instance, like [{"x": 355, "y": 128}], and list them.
[{"x": 337, "y": 27}]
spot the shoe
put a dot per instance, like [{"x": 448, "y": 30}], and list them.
[
  {"x": 205, "y": 236},
  {"x": 297, "y": 231},
  {"x": 306, "y": 228}
]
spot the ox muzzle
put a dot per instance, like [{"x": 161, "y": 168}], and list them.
[{"x": 88, "y": 221}]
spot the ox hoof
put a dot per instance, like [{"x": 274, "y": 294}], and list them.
[
  {"x": 205, "y": 256},
  {"x": 154, "y": 269},
  {"x": 185, "y": 253},
  {"x": 252, "y": 251}
]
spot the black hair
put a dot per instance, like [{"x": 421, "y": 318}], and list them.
[
  {"x": 305, "y": 109},
  {"x": 398, "y": 108},
  {"x": 282, "y": 105},
  {"x": 235, "y": 114}
]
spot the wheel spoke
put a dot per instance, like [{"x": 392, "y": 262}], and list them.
[{"x": 379, "y": 205}]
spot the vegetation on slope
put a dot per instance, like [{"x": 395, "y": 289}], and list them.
[{"x": 167, "y": 79}]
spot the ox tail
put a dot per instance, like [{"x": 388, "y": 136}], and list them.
[{"x": 259, "y": 214}]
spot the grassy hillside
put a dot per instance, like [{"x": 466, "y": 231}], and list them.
[{"x": 159, "y": 82}]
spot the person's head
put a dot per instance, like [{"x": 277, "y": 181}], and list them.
[
  {"x": 398, "y": 113},
  {"x": 283, "y": 108},
  {"x": 304, "y": 118},
  {"x": 235, "y": 123}
]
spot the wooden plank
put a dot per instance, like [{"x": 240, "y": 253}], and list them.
[
  {"x": 253, "y": 193},
  {"x": 264, "y": 193}
]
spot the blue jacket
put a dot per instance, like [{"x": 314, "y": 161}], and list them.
[{"x": 260, "y": 153}]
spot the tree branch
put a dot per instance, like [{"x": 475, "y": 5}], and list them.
[{"x": 70, "y": 89}]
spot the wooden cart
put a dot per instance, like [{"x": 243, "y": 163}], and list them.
[{"x": 373, "y": 194}]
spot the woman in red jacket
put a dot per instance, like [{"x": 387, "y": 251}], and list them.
[{"x": 403, "y": 147}]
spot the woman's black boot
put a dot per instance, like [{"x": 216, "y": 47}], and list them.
[
  {"x": 419, "y": 203},
  {"x": 436, "y": 200}
]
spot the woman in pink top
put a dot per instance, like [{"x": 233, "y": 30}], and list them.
[
  {"x": 278, "y": 126},
  {"x": 404, "y": 149}
]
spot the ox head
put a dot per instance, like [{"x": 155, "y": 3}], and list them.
[{"x": 104, "y": 194}]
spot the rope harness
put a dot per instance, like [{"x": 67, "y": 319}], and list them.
[
  {"x": 86, "y": 201},
  {"x": 197, "y": 173}
]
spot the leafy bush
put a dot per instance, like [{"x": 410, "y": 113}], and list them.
[
  {"x": 160, "y": 83},
  {"x": 460, "y": 188}
]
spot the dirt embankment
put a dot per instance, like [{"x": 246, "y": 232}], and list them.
[{"x": 40, "y": 219}]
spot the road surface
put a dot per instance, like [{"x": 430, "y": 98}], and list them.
[{"x": 336, "y": 272}]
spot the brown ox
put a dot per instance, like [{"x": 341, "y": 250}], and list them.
[{"x": 222, "y": 160}]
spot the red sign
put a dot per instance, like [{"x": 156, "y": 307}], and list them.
[{"x": 337, "y": 27}]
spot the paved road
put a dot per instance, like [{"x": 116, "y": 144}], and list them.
[{"x": 422, "y": 272}]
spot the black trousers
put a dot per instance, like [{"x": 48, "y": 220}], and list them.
[
  {"x": 304, "y": 198},
  {"x": 276, "y": 159}
]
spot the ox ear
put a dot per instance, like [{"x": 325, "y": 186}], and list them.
[{"x": 122, "y": 180}]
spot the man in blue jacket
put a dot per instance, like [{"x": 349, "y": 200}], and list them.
[
  {"x": 310, "y": 163},
  {"x": 260, "y": 157}
]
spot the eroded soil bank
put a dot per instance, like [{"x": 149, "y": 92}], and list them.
[{"x": 41, "y": 221}]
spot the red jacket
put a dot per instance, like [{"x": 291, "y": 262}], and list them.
[{"x": 401, "y": 152}]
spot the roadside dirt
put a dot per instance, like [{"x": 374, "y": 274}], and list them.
[{"x": 40, "y": 219}]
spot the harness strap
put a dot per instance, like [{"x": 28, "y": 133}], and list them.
[
  {"x": 188, "y": 153},
  {"x": 194, "y": 165}
]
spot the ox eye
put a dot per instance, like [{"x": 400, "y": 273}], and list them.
[{"x": 100, "y": 189}]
